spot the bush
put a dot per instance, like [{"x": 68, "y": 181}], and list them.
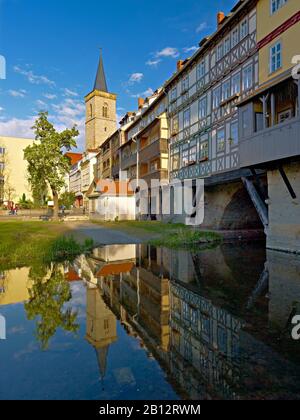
[{"x": 67, "y": 199}]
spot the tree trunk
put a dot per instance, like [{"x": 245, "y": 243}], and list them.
[{"x": 56, "y": 207}]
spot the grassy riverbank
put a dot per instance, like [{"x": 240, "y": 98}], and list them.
[
  {"x": 170, "y": 235},
  {"x": 188, "y": 238},
  {"x": 26, "y": 243}
]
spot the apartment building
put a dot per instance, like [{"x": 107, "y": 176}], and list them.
[
  {"x": 204, "y": 93},
  {"x": 269, "y": 120},
  {"x": 13, "y": 169},
  {"x": 75, "y": 184}
]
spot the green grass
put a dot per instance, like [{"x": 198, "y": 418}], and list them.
[
  {"x": 169, "y": 235},
  {"x": 142, "y": 228},
  {"x": 26, "y": 243},
  {"x": 188, "y": 238}
]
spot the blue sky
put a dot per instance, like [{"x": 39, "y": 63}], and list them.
[{"x": 52, "y": 49}]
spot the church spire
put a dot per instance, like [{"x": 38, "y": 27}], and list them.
[{"x": 100, "y": 82}]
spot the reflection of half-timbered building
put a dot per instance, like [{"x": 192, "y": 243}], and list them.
[
  {"x": 204, "y": 93},
  {"x": 205, "y": 343}
]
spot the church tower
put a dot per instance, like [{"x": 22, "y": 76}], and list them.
[
  {"x": 101, "y": 326},
  {"x": 101, "y": 112}
]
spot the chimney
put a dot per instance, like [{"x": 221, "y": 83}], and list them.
[
  {"x": 220, "y": 18},
  {"x": 180, "y": 64},
  {"x": 141, "y": 102}
]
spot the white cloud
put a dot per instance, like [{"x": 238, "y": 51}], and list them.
[
  {"x": 1, "y": 109},
  {"x": 146, "y": 93},
  {"x": 190, "y": 49},
  {"x": 136, "y": 78},
  {"x": 168, "y": 52},
  {"x": 16, "y": 127},
  {"x": 17, "y": 93},
  {"x": 153, "y": 63},
  {"x": 34, "y": 78},
  {"x": 49, "y": 96},
  {"x": 41, "y": 103},
  {"x": 67, "y": 113},
  {"x": 68, "y": 92},
  {"x": 201, "y": 27},
  {"x": 63, "y": 115}
]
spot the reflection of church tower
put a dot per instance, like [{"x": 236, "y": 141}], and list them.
[
  {"x": 101, "y": 329},
  {"x": 101, "y": 114}
]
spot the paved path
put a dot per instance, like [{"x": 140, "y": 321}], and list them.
[{"x": 101, "y": 235}]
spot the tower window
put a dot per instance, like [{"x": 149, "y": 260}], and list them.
[
  {"x": 91, "y": 110},
  {"x": 105, "y": 111}
]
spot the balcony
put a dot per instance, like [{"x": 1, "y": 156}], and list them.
[
  {"x": 153, "y": 150},
  {"x": 272, "y": 144},
  {"x": 127, "y": 162},
  {"x": 115, "y": 170},
  {"x": 158, "y": 174}
]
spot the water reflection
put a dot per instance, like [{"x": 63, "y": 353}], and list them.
[{"x": 217, "y": 322}]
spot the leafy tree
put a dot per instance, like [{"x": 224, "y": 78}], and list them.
[
  {"x": 25, "y": 203},
  {"x": 47, "y": 165},
  {"x": 67, "y": 199},
  {"x": 47, "y": 299},
  {"x": 8, "y": 191}
]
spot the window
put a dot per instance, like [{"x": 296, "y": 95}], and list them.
[
  {"x": 234, "y": 134},
  {"x": 187, "y": 118},
  {"x": 283, "y": 116},
  {"x": 201, "y": 70},
  {"x": 222, "y": 339},
  {"x": 236, "y": 84},
  {"x": 235, "y": 37},
  {"x": 185, "y": 156},
  {"x": 205, "y": 325},
  {"x": 175, "y": 125},
  {"x": 2, "y": 166},
  {"x": 246, "y": 122},
  {"x": 247, "y": 78},
  {"x": 193, "y": 151},
  {"x": 216, "y": 98},
  {"x": 185, "y": 84},
  {"x": 259, "y": 121},
  {"x": 220, "y": 52},
  {"x": 203, "y": 150},
  {"x": 91, "y": 110},
  {"x": 226, "y": 46},
  {"x": 105, "y": 111},
  {"x": 2, "y": 150},
  {"x": 226, "y": 90},
  {"x": 244, "y": 29},
  {"x": 277, "y": 4},
  {"x": 275, "y": 57},
  {"x": 186, "y": 311},
  {"x": 221, "y": 140},
  {"x": 203, "y": 108},
  {"x": 174, "y": 94},
  {"x": 154, "y": 166},
  {"x": 194, "y": 318},
  {"x": 188, "y": 351},
  {"x": 175, "y": 159}
]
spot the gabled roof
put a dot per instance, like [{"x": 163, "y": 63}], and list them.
[{"x": 74, "y": 157}]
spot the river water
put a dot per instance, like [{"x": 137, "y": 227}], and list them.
[{"x": 139, "y": 322}]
